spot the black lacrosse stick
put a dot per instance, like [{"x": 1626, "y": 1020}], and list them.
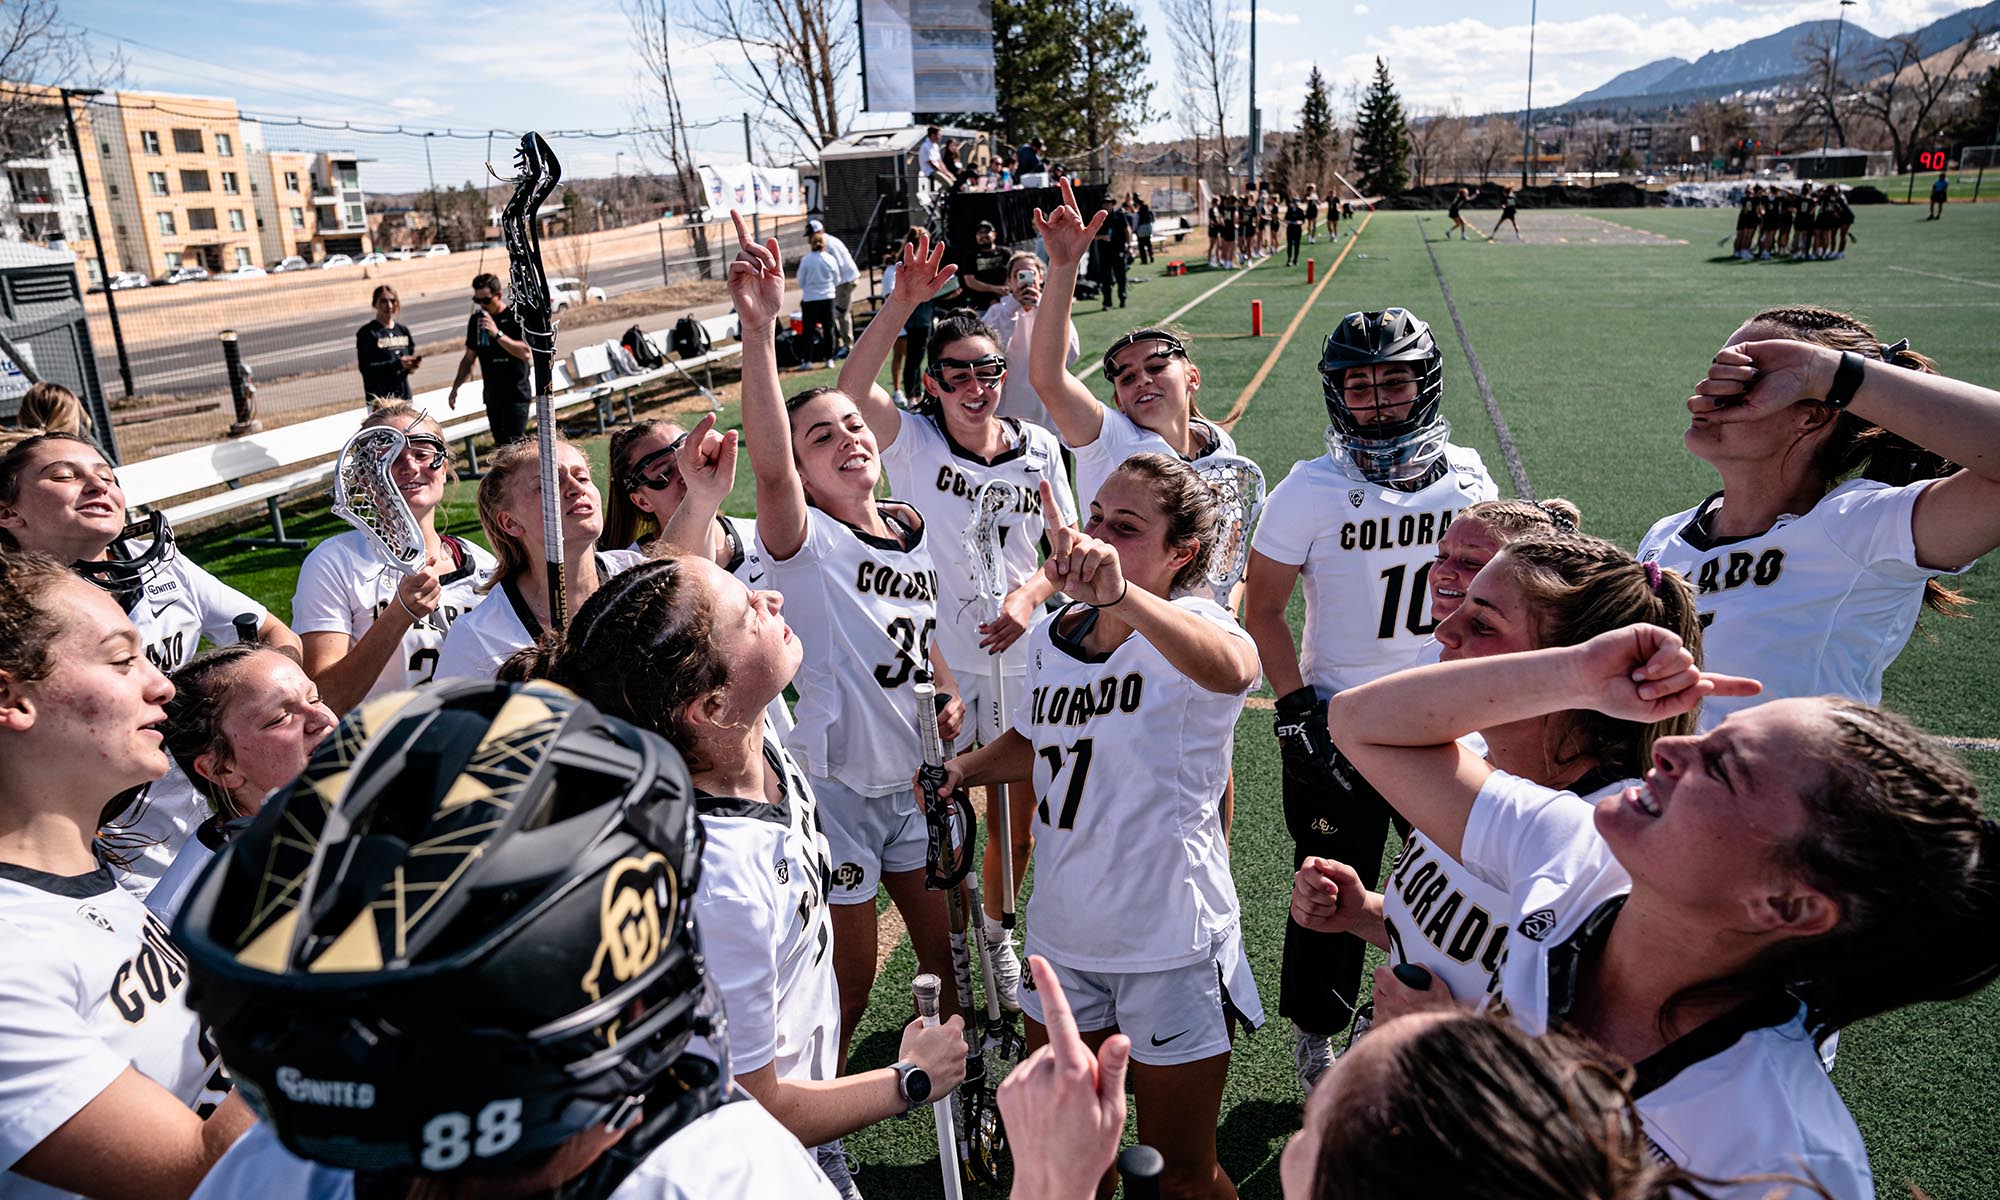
[
  {"x": 951, "y": 828},
  {"x": 536, "y": 173}
]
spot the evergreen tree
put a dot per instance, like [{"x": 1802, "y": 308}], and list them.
[
  {"x": 1316, "y": 137},
  {"x": 1382, "y": 138}
]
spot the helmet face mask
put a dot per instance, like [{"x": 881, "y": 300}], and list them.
[
  {"x": 1383, "y": 378},
  {"x": 483, "y": 888}
]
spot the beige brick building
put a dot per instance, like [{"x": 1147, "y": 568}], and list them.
[{"x": 179, "y": 181}]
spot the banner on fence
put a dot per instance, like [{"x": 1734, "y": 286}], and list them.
[{"x": 747, "y": 188}]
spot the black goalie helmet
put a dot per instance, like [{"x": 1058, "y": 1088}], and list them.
[
  {"x": 1375, "y": 445},
  {"x": 125, "y": 573},
  {"x": 463, "y": 934}
]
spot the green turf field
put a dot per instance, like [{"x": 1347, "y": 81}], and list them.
[{"x": 1590, "y": 350}]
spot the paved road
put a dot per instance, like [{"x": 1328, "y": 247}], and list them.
[{"x": 322, "y": 342}]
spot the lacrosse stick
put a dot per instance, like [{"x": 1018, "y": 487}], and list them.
[
  {"x": 985, "y": 546},
  {"x": 536, "y": 173},
  {"x": 365, "y": 497},
  {"x": 1239, "y": 494},
  {"x": 953, "y": 830},
  {"x": 924, "y": 989}
]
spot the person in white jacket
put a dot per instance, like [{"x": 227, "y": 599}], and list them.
[
  {"x": 1013, "y": 318},
  {"x": 819, "y": 278},
  {"x": 843, "y": 290}
]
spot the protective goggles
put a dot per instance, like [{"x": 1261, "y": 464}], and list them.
[
  {"x": 665, "y": 460},
  {"x": 1166, "y": 345},
  {"x": 987, "y": 371},
  {"x": 950, "y": 830},
  {"x": 430, "y": 448}
]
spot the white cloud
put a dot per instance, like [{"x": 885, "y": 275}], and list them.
[{"x": 1361, "y": 10}]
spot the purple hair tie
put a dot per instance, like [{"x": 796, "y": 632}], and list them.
[{"x": 1653, "y": 576}]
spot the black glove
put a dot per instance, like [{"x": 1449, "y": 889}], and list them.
[{"x": 1303, "y": 740}]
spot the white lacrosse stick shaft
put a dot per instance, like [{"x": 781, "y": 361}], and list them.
[{"x": 926, "y": 989}]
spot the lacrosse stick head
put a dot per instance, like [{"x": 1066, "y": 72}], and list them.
[
  {"x": 367, "y": 498},
  {"x": 991, "y": 505},
  {"x": 1239, "y": 494}
]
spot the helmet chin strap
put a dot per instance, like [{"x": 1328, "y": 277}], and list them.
[{"x": 125, "y": 578}]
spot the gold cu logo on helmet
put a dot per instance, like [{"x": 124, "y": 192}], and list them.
[{"x": 641, "y": 901}]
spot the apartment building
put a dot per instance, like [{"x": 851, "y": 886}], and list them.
[
  {"x": 310, "y": 204},
  {"x": 178, "y": 181},
  {"x": 41, "y": 193}
]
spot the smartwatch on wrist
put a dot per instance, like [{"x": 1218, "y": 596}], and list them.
[
  {"x": 1846, "y": 379},
  {"x": 913, "y": 1083}
]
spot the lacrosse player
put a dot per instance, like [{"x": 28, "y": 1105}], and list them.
[
  {"x": 1833, "y": 523},
  {"x": 1361, "y": 524},
  {"x": 1154, "y": 383},
  {"x": 368, "y": 628},
  {"x": 59, "y": 496},
  {"x": 510, "y": 511},
  {"x": 861, "y": 588},
  {"x": 1128, "y": 725},
  {"x": 679, "y": 647},
  {"x": 940, "y": 455}
]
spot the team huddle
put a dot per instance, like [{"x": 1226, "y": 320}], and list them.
[{"x": 493, "y": 875}]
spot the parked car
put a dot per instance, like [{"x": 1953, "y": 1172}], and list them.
[
  {"x": 184, "y": 275},
  {"x": 436, "y": 250},
  {"x": 371, "y": 260},
  {"x": 290, "y": 262},
  {"x": 246, "y": 271},
  {"x": 129, "y": 279},
  {"x": 333, "y": 260},
  {"x": 568, "y": 289}
]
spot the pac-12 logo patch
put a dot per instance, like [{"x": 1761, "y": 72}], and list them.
[
  {"x": 847, "y": 875},
  {"x": 1356, "y": 496},
  {"x": 784, "y": 870},
  {"x": 89, "y": 913},
  {"x": 1536, "y": 925}
]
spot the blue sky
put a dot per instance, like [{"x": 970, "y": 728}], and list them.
[{"x": 476, "y": 64}]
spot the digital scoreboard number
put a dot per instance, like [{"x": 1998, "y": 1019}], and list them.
[{"x": 1931, "y": 160}]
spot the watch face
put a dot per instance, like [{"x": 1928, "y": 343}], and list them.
[{"x": 916, "y": 1085}]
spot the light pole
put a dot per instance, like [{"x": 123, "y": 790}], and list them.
[
  {"x": 618, "y": 187},
  {"x": 96, "y": 237},
  {"x": 1528, "y": 133},
  {"x": 1832, "y": 73},
  {"x": 1256, "y": 135},
  {"x": 437, "y": 218}
]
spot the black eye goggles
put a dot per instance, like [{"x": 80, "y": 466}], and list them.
[
  {"x": 666, "y": 458},
  {"x": 1167, "y": 346},
  {"x": 987, "y": 369}
]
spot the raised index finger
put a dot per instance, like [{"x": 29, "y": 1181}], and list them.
[
  {"x": 1065, "y": 1043},
  {"x": 742, "y": 234},
  {"x": 1052, "y": 516}
]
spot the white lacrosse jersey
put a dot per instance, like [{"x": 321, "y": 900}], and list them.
[
  {"x": 344, "y": 585},
  {"x": 1744, "y": 1093},
  {"x": 180, "y": 605},
  {"x": 1119, "y": 438},
  {"x": 734, "y": 1149},
  {"x": 1449, "y": 921},
  {"x": 1821, "y": 603},
  {"x": 90, "y": 984},
  {"x": 765, "y": 932},
  {"x": 940, "y": 478},
  {"x": 1364, "y": 554},
  {"x": 480, "y": 640},
  {"x": 1131, "y": 758},
  {"x": 865, "y": 610}
]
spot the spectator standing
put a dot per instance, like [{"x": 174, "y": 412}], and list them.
[
  {"x": 1145, "y": 222},
  {"x": 493, "y": 340},
  {"x": 1013, "y": 320},
  {"x": 985, "y": 277},
  {"x": 843, "y": 289},
  {"x": 1312, "y": 213},
  {"x": 1113, "y": 242},
  {"x": 1295, "y": 228},
  {"x": 385, "y": 350},
  {"x": 1028, "y": 160},
  {"x": 819, "y": 279},
  {"x": 1939, "y": 191},
  {"x": 930, "y": 166}
]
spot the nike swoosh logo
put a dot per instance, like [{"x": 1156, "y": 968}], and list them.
[{"x": 1161, "y": 1041}]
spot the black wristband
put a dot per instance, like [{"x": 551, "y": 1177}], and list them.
[
  {"x": 1122, "y": 593},
  {"x": 1846, "y": 379}
]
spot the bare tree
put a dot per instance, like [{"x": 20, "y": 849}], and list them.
[
  {"x": 1206, "y": 66},
  {"x": 1823, "y": 86},
  {"x": 40, "y": 53},
  {"x": 659, "y": 110},
  {"x": 1904, "y": 87},
  {"x": 795, "y": 56},
  {"x": 1498, "y": 137},
  {"x": 1435, "y": 138}
]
